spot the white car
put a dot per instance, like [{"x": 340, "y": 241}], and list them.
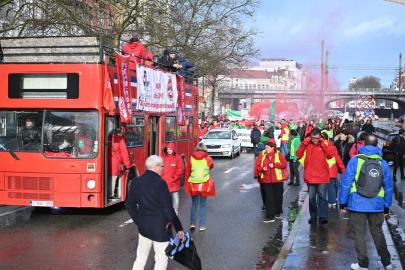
[
  {"x": 334, "y": 113},
  {"x": 222, "y": 142}
]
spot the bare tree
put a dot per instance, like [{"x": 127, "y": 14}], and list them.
[{"x": 367, "y": 82}]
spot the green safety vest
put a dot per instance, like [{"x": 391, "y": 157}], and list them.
[
  {"x": 199, "y": 171},
  {"x": 292, "y": 126},
  {"x": 331, "y": 161},
  {"x": 285, "y": 135},
  {"x": 279, "y": 174},
  {"x": 292, "y": 146},
  {"x": 359, "y": 165}
]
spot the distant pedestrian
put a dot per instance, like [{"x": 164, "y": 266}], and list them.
[
  {"x": 255, "y": 135},
  {"x": 360, "y": 143},
  {"x": 174, "y": 169},
  {"x": 397, "y": 147},
  {"x": 344, "y": 142},
  {"x": 368, "y": 127},
  {"x": 268, "y": 171},
  {"x": 293, "y": 145},
  {"x": 285, "y": 133},
  {"x": 150, "y": 206},
  {"x": 301, "y": 130},
  {"x": 314, "y": 154},
  {"x": 197, "y": 182},
  {"x": 268, "y": 130},
  {"x": 335, "y": 165},
  {"x": 368, "y": 197}
]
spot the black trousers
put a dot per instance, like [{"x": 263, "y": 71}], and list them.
[
  {"x": 254, "y": 148},
  {"x": 263, "y": 192},
  {"x": 294, "y": 173},
  {"x": 274, "y": 199},
  {"x": 375, "y": 220},
  {"x": 398, "y": 160}
]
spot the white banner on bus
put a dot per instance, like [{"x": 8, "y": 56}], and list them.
[
  {"x": 244, "y": 137},
  {"x": 156, "y": 91}
]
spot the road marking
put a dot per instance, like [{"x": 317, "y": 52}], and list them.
[
  {"x": 227, "y": 171},
  {"x": 129, "y": 221},
  {"x": 286, "y": 191},
  {"x": 16, "y": 210}
]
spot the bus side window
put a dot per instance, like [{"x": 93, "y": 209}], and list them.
[
  {"x": 135, "y": 132},
  {"x": 170, "y": 128}
]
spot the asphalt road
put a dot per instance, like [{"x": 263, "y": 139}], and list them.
[{"x": 236, "y": 237}]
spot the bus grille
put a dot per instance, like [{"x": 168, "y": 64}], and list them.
[
  {"x": 30, "y": 183},
  {"x": 30, "y": 196}
]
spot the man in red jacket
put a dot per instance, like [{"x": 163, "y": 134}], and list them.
[
  {"x": 135, "y": 47},
  {"x": 117, "y": 154},
  {"x": 172, "y": 172},
  {"x": 316, "y": 174}
]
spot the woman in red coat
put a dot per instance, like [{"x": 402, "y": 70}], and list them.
[
  {"x": 117, "y": 154},
  {"x": 268, "y": 171},
  {"x": 174, "y": 169},
  {"x": 198, "y": 183}
]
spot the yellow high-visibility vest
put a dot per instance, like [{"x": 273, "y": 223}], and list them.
[
  {"x": 331, "y": 161},
  {"x": 279, "y": 174},
  {"x": 285, "y": 135},
  {"x": 359, "y": 165},
  {"x": 199, "y": 171}
]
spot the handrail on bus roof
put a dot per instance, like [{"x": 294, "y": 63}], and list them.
[{"x": 59, "y": 49}]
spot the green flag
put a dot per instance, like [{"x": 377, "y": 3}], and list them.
[{"x": 272, "y": 114}]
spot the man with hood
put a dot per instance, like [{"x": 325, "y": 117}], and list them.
[
  {"x": 285, "y": 133},
  {"x": 172, "y": 172},
  {"x": 135, "y": 47},
  {"x": 367, "y": 209}
]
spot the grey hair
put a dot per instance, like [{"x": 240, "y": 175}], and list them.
[
  {"x": 152, "y": 161},
  {"x": 266, "y": 126},
  {"x": 201, "y": 147}
]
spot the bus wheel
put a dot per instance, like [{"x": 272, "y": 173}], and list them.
[{"x": 184, "y": 174}]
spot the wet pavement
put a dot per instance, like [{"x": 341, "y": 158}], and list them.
[
  {"x": 236, "y": 237},
  {"x": 310, "y": 246}
]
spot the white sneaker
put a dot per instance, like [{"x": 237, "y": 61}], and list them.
[
  {"x": 356, "y": 266},
  {"x": 388, "y": 267}
]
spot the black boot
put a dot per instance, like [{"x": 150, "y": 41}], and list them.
[
  {"x": 290, "y": 183},
  {"x": 394, "y": 178},
  {"x": 296, "y": 183}
]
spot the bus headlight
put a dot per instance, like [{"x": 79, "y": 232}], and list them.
[{"x": 91, "y": 184}]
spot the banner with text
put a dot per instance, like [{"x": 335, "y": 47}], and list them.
[
  {"x": 124, "y": 88},
  {"x": 181, "y": 102},
  {"x": 156, "y": 91}
]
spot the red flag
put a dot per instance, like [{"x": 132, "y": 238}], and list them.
[
  {"x": 124, "y": 88},
  {"x": 181, "y": 101},
  {"x": 108, "y": 99}
]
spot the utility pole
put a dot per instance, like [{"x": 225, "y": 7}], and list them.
[
  {"x": 400, "y": 72},
  {"x": 322, "y": 97},
  {"x": 327, "y": 72}
]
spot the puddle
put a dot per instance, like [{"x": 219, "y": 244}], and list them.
[{"x": 274, "y": 245}]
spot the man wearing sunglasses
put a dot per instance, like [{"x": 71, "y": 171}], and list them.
[{"x": 314, "y": 153}]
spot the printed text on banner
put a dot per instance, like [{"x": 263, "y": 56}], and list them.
[
  {"x": 124, "y": 88},
  {"x": 181, "y": 101}
]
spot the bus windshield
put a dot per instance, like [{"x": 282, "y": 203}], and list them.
[{"x": 67, "y": 134}]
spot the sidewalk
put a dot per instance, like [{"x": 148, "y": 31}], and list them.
[{"x": 327, "y": 247}]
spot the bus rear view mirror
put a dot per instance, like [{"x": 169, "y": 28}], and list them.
[{"x": 110, "y": 125}]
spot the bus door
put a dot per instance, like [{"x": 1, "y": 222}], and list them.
[
  {"x": 111, "y": 123},
  {"x": 153, "y": 129}
]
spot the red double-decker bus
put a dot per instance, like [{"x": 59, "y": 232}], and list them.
[{"x": 54, "y": 130}]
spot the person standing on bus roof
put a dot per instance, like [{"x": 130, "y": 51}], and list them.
[
  {"x": 174, "y": 169},
  {"x": 169, "y": 62},
  {"x": 30, "y": 133},
  {"x": 118, "y": 158},
  {"x": 150, "y": 206},
  {"x": 135, "y": 47}
]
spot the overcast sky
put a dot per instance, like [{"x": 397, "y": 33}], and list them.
[{"x": 363, "y": 37}]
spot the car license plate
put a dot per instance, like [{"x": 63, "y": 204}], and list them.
[{"x": 42, "y": 203}]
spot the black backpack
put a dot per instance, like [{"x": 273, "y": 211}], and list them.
[{"x": 370, "y": 178}]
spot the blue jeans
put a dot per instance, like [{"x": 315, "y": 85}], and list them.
[
  {"x": 194, "y": 206},
  {"x": 318, "y": 200},
  {"x": 333, "y": 190},
  {"x": 284, "y": 148}
]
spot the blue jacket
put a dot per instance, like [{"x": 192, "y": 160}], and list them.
[
  {"x": 355, "y": 201},
  {"x": 185, "y": 66},
  {"x": 150, "y": 206}
]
